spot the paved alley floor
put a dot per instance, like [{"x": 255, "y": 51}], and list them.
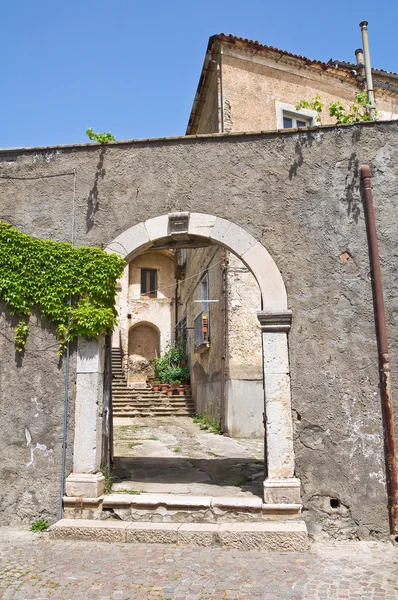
[
  {"x": 33, "y": 567},
  {"x": 174, "y": 455}
]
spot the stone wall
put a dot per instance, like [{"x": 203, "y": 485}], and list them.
[
  {"x": 298, "y": 194},
  {"x": 32, "y": 387},
  {"x": 205, "y": 367}
]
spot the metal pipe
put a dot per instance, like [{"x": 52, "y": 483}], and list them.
[
  {"x": 384, "y": 359},
  {"x": 360, "y": 62},
  {"x": 220, "y": 124},
  {"x": 223, "y": 339},
  {"x": 368, "y": 69},
  {"x": 176, "y": 307}
]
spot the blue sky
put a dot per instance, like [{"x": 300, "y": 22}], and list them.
[{"x": 132, "y": 67}]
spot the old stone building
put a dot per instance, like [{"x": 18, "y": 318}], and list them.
[
  {"x": 145, "y": 301},
  {"x": 294, "y": 255},
  {"x": 247, "y": 86}
]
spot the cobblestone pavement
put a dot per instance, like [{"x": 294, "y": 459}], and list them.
[{"x": 34, "y": 567}]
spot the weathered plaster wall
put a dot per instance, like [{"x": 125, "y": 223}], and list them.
[
  {"x": 144, "y": 309},
  {"x": 252, "y": 86},
  {"x": 205, "y": 367},
  {"x": 31, "y": 422},
  {"x": 298, "y": 194}
]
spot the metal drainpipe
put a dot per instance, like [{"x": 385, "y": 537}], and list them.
[
  {"x": 384, "y": 359},
  {"x": 368, "y": 69},
  {"x": 220, "y": 119},
  {"x": 176, "y": 295},
  {"x": 66, "y": 392},
  {"x": 223, "y": 339}
]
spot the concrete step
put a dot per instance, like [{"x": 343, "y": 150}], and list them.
[{"x": 277, "y": 536}]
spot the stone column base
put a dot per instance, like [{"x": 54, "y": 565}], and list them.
[
  {"x": 282, "y": 491},
  {"x": 89, "y": 485}
]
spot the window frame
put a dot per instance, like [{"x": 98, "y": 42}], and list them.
[
  {"x": 289, "y": 111},
  {"x": 153, "y": 293}
]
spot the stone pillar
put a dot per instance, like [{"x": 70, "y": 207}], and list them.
[
  {"x": 280, "y": 487},
  {"x": 86, "y": 479}
]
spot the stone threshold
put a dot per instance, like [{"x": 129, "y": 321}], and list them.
[
  {"x": 215, "y": 506},
  {"x": 290, "y": 536}
]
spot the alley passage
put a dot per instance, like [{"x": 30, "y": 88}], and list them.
[{"x": 176, "y": 455}]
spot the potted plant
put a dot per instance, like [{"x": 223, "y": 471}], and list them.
[
  {"x": 175, "y": 384},
  {"x": 155, "y": 385}
]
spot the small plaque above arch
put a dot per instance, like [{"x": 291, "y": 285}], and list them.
[{"x": 178, "y": 225}]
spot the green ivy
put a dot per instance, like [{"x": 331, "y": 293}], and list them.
[
  {"x": 74, "y": 288},
  {"x": 21, "y": 333},
  {"x": 101, "y": 138}
]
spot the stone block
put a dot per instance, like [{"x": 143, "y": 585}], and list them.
[
  {"x": 90, "y": 356},
  {"x": 198, "y": 534},
  {"x": 201, "y": 224},
  {"x": 87, "y": 442},
  {"x": 171, "y": 501},
  {"x": 228, "y": 503},
  {"x": 268, "y": 277},
  {"x": 282, "y": 537},
  {"x": 279, "y": 426},
  {"x": 89, "y": 530},
  {"x": 131, "y": 240},
  {"x": 152, "y": 533},
  {"x": 283, "y": 491},
  {"x": 232, "y": 236},
  {"x": 157, "y": 227},
  {"x": 85, "y": 485},
  {"x": 276, "y": 357}
]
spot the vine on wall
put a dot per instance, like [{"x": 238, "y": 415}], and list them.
[{"x": 74, "y": 288}]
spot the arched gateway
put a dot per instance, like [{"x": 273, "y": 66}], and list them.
[{"x": 280, "y": 485}]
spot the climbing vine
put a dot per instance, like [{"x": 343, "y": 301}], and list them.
[
  {"x": 74, "y": 288},
  {"x": 358, "y": 111}
]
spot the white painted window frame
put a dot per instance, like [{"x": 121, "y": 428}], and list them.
[{"x": 288, "y": 110}]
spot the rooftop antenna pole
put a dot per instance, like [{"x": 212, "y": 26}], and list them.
[{"x": 368, "y": 70}]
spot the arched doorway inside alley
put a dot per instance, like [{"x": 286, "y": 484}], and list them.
[{"x": 176, "y": 231}]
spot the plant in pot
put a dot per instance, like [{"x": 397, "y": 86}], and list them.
[
  {"x": 175, "y": 384},
  {"x": 155, "y": 385},
  {"x": 170, "y": 368}
]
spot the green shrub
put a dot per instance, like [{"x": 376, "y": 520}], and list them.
[{"x": 39, "y": 525}]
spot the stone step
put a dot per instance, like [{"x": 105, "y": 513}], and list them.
[
  {"x": 154, "y": 403},
  {"x": 167, "y": 399},
  {"x": 153, "y": 413},
  {"x": 154, "y": 409},
  {"x": 277, "y": 536}
]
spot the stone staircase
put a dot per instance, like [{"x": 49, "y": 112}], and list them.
[
  {"x": 242, "y": 523},
  {"x": 137, "y": 402}
]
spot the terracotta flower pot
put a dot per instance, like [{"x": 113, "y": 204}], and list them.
[
  {"x": 169, "y": 392},
  {"x": 164, "y": 387},
  {"x": 155, "y": 387},
  {"x": 181, "y": 391}
]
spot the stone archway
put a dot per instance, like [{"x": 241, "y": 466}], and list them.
[{"x": 280, "y": 485}]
